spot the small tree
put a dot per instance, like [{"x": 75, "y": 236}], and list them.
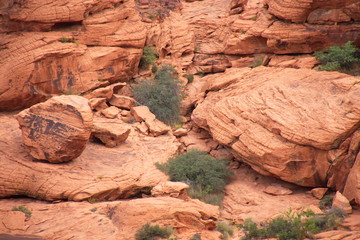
[
  {"x": 338, "y": 58},
  {"x": 162, "y": 95},
  {"x": 148, "y": 58}
]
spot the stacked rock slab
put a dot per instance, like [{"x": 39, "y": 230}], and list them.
[{"x": 299, "y": 125}]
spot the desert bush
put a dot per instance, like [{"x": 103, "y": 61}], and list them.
[
  {"x": 196, "y": 236},
  {"x": 190, "y": 77},
  {"x": 326, "y": 202},
  {"x": 207, "y": 176},
  {"x": 23, "y": 209},
  {"x": 148, "y": 57},
  {"x": 337, "y": 58},
  {"x": 162, "y": 95},
  {"x": 148, "y": 232},
  {"x": 226, "y": 230},
  {"x": 293, "y": 226}
]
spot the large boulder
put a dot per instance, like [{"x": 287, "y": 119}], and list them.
[
  {"x": 299, "y": 125},
  {"x": 99, "y": 172},
  {"x": 57, "y": 130}
]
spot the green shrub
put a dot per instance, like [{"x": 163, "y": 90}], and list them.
[
  {"x": 207, "y": 176},
  {"x": 293, "y": 226},
  {"x": 226, "y": 230},
  {"x": 214, "y": 198},
  {"x": 190, "y": 77},
  {"x": 148, "y": 58},
  {"x": 162, "y": 95},
  {"x": 196, "y": 236},
  {"x": 338, "y": 58},
  {"x": 326, "y": 202},
  {"x": 23, "y": 209},
  {"x": 148, "y": 232}
]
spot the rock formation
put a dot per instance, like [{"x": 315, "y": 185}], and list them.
[
  {"x": 99, "y": 172},
  {"x": 58, "y": 129},
  {"x": 278, "y": 121},
  {"x": 70, "y": 47},
  {"x": 108, "y": 220}
]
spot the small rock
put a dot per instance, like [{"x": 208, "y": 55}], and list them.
[
  {"x": 57, "y": 130},
  {"x": 319, "y": 192},
  {"x": 180, "y": 132},
  {"x": 122, "y": 101},
  {"x": 104, "y": 92},
  {"x": 110, "y": 132},
  {"x": 111, "y": 112},
  {"x": 156, "y": 127},
  {"x": 340, "y": 201},
  {"x": 124, "y": 113},
  {"x": 98, "y": 103},
  {"x": 172, "y": 189},
  {"x": 143, "y": 128},
  {"x": 277, "y": 190}
]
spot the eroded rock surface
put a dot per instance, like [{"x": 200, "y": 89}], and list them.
[
  {"x": 279, "y": 122},
  {"x": 99, "y": 172},
  {"x": 109, "y": 220},
  {"x": 70, "y": 48},
  {"x": 58, "y": 129}
]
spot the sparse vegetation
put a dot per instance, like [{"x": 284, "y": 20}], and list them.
[
  {"x": 94, "y": 209},
  {"x": 258, "y": 61},
  {"x": 148, "y": 58},
  {"x": 339, "y": 58},
  {"x": 326, "y": 202},
  {"x": 23, "y": 209},
  {"x": 226, "y": 230},
  {"x": 92, "y": 200},
  {"x": 162, "y": 95},
  {"x": 293, "y": 226},
  {"x": 207, "y": 176},
  {"x": 196, "y": 236},
  {"x": 148, "y": 232},
  {"x": 68, "y": 40},
  {"x": 190, "y": 77},
  {"x": 101, "y": 79}
]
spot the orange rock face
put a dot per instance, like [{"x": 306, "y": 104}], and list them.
[
  {"x": 108, "y": 220},
  {"x": 279, "y": 122},
  {"x": 99, "y": 172},
  {"x": 58, "y": 129},
  {"x": 84, "y": 46}
]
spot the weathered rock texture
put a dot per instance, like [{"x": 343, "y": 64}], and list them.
[
  {"x": 99, "y": 172},
  {"x": 279, "y": 122},
  {"x": 108, "y": 220},
  {"x": 68, "y": 47},
  {"x": 58, "y": 129},
  {"x": 110, "y": 132},
  {"x": 352, "y": 186}
]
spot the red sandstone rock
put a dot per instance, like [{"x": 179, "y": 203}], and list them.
[
  {"x": 318, "y": 192},
  {"x": 110, "y": 132},
  {"x": 270, "y": 119},
  {"x": 352, "y": 186},
  {"x": 58, "y": 129},
  {"x": 156, "y": 127},
  {"x": 99, "y": 172},
  {"x": 122, "y": 102},
  {"x": 341, "y": 202},
  {"x": 110, "y": 112}
]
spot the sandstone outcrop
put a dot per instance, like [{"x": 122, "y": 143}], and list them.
[
  {"x": 72, "y": 47},
  {"x": 56, "y": 130},
  {"x": 99, "y": 172},
  {"x": 109, "y": 220},
  {"x": 340, "y": 201},
  {"x": 352, "y": 186},
  {"x": 110, "y": 132},
  {"x": 278, "y": 121}
]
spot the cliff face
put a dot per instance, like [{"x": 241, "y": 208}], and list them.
[{"x": 297, "y": 125}]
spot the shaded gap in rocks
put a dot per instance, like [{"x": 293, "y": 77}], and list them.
[{"x": 65, "y": 25}]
